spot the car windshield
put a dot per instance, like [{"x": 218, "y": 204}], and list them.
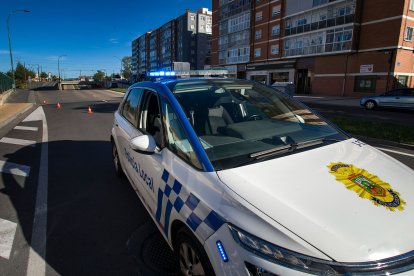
[{"x": 236, "y": 121}]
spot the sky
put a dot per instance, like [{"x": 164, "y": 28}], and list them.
[{"x": 92, "y": 34}]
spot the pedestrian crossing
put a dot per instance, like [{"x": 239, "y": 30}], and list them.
[
  {"x": 7, "y": 233},
  {"x": 23, "y": 130}
]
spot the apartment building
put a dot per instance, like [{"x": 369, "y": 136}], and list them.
[
  {"x": 332, "y": 47},
  {"x": 186, "y": 38}
]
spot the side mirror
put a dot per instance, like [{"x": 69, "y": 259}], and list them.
[{"x": 143, "y": 144}]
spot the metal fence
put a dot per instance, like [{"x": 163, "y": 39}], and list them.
[{"x": 6, "y": 83}]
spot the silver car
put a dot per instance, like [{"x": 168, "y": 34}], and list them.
[{"x": 398, "y": 98}]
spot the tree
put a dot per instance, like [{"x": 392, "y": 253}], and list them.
[
  {"x": 99, "y": 76},
  {"x": 44, "y": 75},
  {"x": 127, "y": 67}
]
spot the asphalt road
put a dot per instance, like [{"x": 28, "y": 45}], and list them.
[{"x": 95, "y": 224}]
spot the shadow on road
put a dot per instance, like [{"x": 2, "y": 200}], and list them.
[{"x": 94, "y": 218}]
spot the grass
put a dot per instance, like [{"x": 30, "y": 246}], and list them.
[
  {"x": 386, "y": 131},
  {"x": 122, "y": 90}
]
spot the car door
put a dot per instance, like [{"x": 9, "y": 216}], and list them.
[
  {"x": 126, "y": 122},
  {"x": 394, "y": 98},
  {"x": 146, "y": 169},
  {"x": 407, "y": 100}
]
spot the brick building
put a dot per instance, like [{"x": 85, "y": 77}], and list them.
[
  {"x": 186, "y": 38},
  {"x": 333, "y": 47}
]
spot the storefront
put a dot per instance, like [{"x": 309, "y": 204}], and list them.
[{"x": 271, "y": 73}]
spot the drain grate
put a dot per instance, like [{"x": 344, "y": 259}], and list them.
[{"x": 151, "y": 251}]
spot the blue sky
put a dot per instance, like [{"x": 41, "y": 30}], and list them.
[{"x": 89, "y": 32}]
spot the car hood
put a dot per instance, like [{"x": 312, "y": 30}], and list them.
[{"x": 313, "y": 195}]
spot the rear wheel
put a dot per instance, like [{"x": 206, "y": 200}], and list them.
[
  {"x": 190, "y": 253},
  {"x": 370, "y": 105},
  {"x": 117, "y": 163}
]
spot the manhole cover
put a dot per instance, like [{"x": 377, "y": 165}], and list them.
[{"x": 153, "y": 254}]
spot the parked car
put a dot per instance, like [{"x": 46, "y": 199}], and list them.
[
  {"x": 243, "y": 180},
  {"x": 398, "y": 98},
  {"x": 285, "y": 87}
]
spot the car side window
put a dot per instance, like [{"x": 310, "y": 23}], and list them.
[
  {"x": 151, "y": 118},
  {"x": 176, "y": 137},
  {"x": 130, "y": 107}
]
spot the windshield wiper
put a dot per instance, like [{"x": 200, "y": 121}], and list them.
[
  {"x": 277, "y": 150},
  {"x": 290, "y": 147}
]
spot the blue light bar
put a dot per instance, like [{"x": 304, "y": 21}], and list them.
[
  {"x": 222, "y": 252},
  {"x": 172, "y": 73},
  {"x": 162, "y": 73},
  {"x": 167, "y": 74}
]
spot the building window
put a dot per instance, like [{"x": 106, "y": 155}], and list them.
[
  {"x": 408, "y": 33},
  {"x": 275, "y": 49},
  {"x": 402, "y": 81},
  {"x": 257, "y": 52},
  {"x": 412, "y": 5},
  {"x": 192, "y": 17},
  {"x": 258, "y": 34},
  {"x": 365, "y": 83},
  {"x": 276, "y": 10},
  {"x": 259, "y": 16},
  {"x": 275, "y": 30},
  {"x": 192, "y": 27}
]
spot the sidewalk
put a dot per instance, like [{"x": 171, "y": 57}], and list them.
[
  {"x": 329, "y": 100},
  {"x": 15, "y": 106}
]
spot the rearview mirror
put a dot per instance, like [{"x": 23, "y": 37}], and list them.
[{"x": 143, "y": 144}]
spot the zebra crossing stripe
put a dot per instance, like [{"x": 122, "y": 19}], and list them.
[
  {"x": 15, "y": 169},
  {"x": 26, "y": 128},
  {"x": 19, "y": 142},
  {"x": 7, "y": 232}
]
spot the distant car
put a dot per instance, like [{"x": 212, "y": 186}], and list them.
[
  {"x": 285, "y": 87},
  {"x": 398, "y": 98}
]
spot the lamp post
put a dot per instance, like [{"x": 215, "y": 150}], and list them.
[
  {"x": 59, "y": 65},
  {"x": 10, "y": 47},
  {"x": 120, "y": 73}
]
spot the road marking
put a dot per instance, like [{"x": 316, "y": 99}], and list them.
[
  {"x": 397, "y": 152},
  {"x": 13, "y": 168},
  {"x": 37, "y": 255},
  {"x": 26, "y": 128},
  {"x": 7, "y": 232},
  {"x": 19, "y": 142}
]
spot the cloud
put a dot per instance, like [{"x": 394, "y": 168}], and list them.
[
  {"x": 114, "y": 40},
  {"x": 4, "y": 52}
]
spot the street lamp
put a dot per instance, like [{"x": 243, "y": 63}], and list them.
[
  {"x": 120, "y": 73},
  {"x": 10, "y": 47},
  {"x": 59, "y": 64}
]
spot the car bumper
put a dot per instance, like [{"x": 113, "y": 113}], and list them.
[
  {"x": 239, "y": 259},
  {"x": 243, "y": 262}
]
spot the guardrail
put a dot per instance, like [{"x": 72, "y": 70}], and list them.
[{"x": 6, "y": 83}]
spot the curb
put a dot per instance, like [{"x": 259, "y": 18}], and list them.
[
  {"x": 115, "y": 92},
  {"x": 376, "y": 141},
  {"x": 7, "y": 125}
]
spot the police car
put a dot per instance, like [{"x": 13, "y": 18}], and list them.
[{"x": 243, "y": 180}]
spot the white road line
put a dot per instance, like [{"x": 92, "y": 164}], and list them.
[
  {"x": 13, "y": 168},
  {"x": 7, "y": 232},
  {"x": 26, "y": 128},
  {"x": 37, "y": 255},
  {"x": 397, "y": 152},
  {"x": 19, "y": 142}
]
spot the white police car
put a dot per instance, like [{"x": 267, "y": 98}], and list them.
[{"x": 243, "y": 180}]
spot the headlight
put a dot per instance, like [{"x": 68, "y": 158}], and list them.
[{"x": 308, "y": 264}]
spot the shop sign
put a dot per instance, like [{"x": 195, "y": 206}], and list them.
[{"x": 366, "y": 68}]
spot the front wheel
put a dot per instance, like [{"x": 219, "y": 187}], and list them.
[
  {"x": 116, "y": 161},
  {"x": 190, "y": 253},
  {"x": 370, "y": 105}
]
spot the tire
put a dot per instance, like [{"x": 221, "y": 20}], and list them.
[
  {"x": 190, "y": 254},
  {"x": 370, "y": 105},
  {"x": 117, "y": 163}
]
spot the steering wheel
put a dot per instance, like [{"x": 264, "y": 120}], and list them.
[{"x": 254, "y": 117}]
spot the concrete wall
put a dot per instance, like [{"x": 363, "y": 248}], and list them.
[{"x": 4, "y": 96}]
